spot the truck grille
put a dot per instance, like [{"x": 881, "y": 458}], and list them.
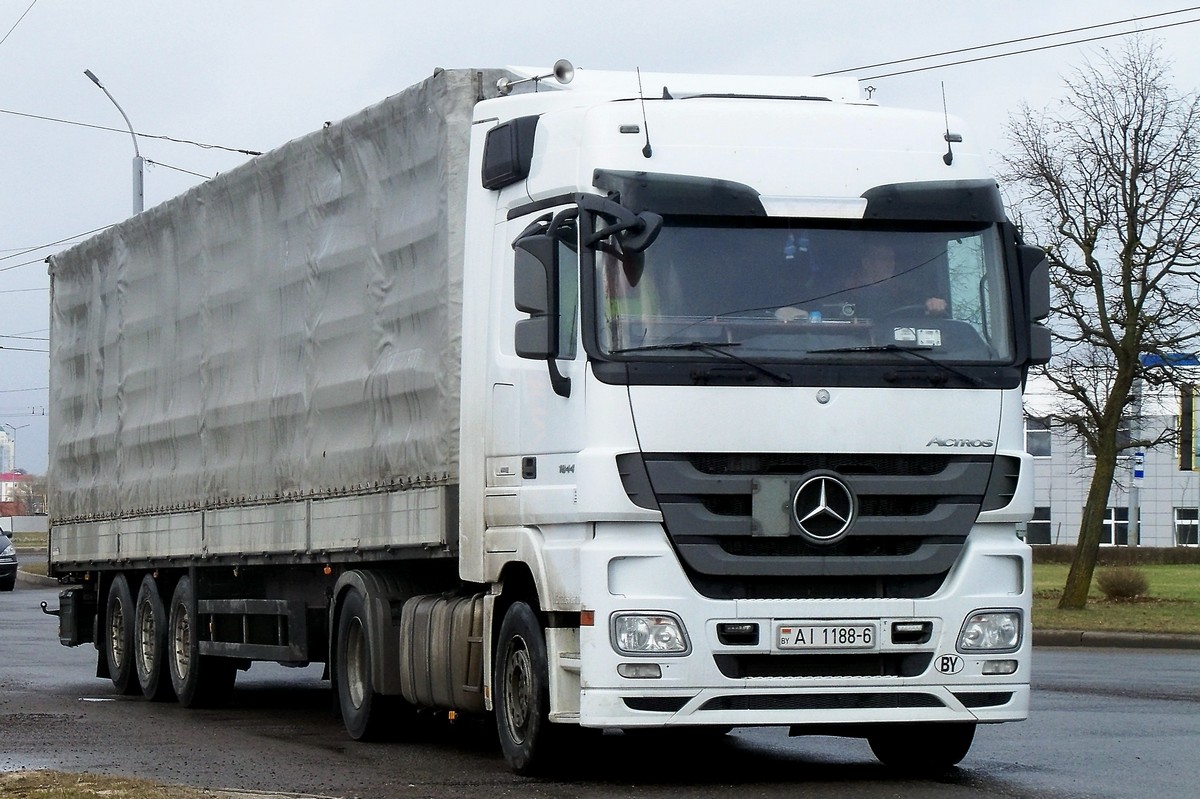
[{"x": 729, "y": 518}]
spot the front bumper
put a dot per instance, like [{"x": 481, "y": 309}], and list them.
[{"x": 749, "y": 682}]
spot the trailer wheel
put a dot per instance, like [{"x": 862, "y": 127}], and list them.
[
  {"x": 522, "y": 692},
  {"x": 926, "y": 749},
  {"x": 150, "y": 642},
  {"x": 199, "y": 681},
  {"x": 118, "y": 636}
]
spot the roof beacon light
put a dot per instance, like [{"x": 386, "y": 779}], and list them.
[{"x": 564, "y": 73}]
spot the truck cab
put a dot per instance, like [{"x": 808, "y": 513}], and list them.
[{"x": 749, "y": 446}]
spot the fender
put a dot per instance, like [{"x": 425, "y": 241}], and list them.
[{"x": 380, "y": 591}]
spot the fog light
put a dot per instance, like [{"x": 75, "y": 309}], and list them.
[
  {"x": 999, "y": 666},
  {"x": 640, "y": 671},
  {"x": 649, "y": 634},
  {"x": 991, "y": 631}
]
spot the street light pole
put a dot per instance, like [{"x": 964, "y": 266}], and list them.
[{"x": 138, "y": 164}]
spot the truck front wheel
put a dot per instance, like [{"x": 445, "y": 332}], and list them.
[
  {"x": 522, "y": 693},
  {"x": 118, "y": 636},
  {"x": 926, "y": 749}
]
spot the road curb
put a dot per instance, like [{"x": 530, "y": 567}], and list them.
[
  {"x": 35, "y": 580},
  {"x": 1115, "y": 639}
]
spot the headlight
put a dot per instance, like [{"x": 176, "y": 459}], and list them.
[
  {"x": 649, "y": 634},
  {"x": 991, "y": 631},
  {"x": 8, "y": 552}
]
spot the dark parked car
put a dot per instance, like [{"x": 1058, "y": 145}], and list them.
[{"x": 8, "y": 563}]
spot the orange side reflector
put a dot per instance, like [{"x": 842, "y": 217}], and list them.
[{"x": 587, "y": 618}]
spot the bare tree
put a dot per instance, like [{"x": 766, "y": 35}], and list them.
[
  {"x": 1107, "y": 183},
  {"x": 31, "y": 492}
]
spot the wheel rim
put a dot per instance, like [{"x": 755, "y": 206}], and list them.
[
  {"x": 518, "y": 689},
  {"x": 116, "y": 634},
  {"x": 356, "y": 663},
  {"x": 181, "y": 639},
  {"x": 144, "y": 651}
]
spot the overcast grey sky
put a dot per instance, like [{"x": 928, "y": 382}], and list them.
[{"x": 253, "y": 74}]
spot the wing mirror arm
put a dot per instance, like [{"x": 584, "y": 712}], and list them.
[{"x": 634, "y": 232}]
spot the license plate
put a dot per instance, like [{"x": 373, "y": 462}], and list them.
[{"x": 824, "y": 635}]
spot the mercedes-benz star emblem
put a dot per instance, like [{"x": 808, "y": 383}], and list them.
[{"x": 823, "y": 508}]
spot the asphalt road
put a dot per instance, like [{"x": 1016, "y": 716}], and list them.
[{"x": 1105, "y": 723}]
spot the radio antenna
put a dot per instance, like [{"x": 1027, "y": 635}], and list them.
[
  {"x": 647, "y": 151},
  {"x": 948, "y": 158}
]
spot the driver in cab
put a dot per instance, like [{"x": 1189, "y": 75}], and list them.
[
  {"x": 877, "y": 286},
  {"x": 882, "y": 290}
]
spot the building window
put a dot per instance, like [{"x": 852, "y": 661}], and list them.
[
  {"x": 1187, "y": 525},
  {"x": 1037, "y": 436},
  {"x": 1115, "y": 529},
  {"x": 1037, "y": 529}
]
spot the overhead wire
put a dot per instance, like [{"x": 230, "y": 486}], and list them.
[
  {"x": 18, "y": 22},
  {"x": 994, "y": 56},
  {"x": 177, "y": 169},
  {"x": 1029, "y": 50},
  {"x": 29, "y": 250},
  {"x": 125, "y": 132},
  {"x": 1015, "y": 41}
]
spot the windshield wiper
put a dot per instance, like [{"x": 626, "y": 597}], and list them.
[
  {"x": 713, "y": 348},
  {"x": 917, "y": 351}
]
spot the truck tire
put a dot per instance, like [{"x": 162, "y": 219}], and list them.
[
  {"x": 118, "y": 636},
  {"x": 150, "y": 642},
  {"x": 363, "y": 710},
  {"x": 923, "y": 749},
  {"x": 522, "y": 691},
  {"x": 198, "y": 680}
]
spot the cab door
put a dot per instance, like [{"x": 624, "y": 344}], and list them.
[{"x": 535, "y": 420}]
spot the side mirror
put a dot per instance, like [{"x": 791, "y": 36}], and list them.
[
  {"x": 535, "y": 292},
  {"x": 1039, "y": 344},
  {"x": 1036, "y": 269},
  {"x": 534, "y": 271}
]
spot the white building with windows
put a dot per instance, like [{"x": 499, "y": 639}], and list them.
[{"x": 1164, "y": 500}]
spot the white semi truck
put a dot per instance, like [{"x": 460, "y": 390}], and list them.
[{"x": 658, "y": 401}]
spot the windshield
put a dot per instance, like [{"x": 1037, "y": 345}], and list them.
[{"x": 780, "y": 291}]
